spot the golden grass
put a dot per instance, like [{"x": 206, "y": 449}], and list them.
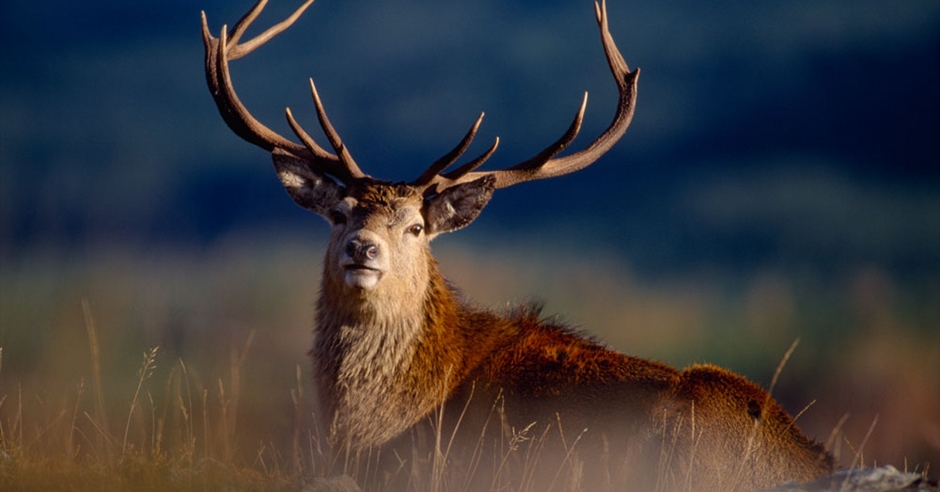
[
  {"x": 87, "y": 401},
  {"x": 174, "y": 440}
]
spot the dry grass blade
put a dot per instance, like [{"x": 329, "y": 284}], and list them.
[
  {"x": 100, "y": 411},
  {"x": 143, "y": 374},
  {"x": 858, "y": 460}
]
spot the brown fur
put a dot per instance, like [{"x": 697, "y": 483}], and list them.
[{"x": 404, "y": 364}]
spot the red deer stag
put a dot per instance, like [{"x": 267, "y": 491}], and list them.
[{"x": 530, "y": 403}]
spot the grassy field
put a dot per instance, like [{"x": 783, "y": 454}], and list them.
[{"x": 186, "y": 369}]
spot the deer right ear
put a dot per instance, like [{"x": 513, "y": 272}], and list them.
[
  {"x": 458, "y": 206},
  {"x": 312, "y": 191}
]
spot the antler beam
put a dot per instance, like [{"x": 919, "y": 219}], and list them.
[
  {"x": 544, "y": 164},
  {"x": 221, "y": 50}
]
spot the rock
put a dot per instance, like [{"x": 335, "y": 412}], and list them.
[
  {"x": 881, "y": 479},
  {"x": 336, "y": 483}
]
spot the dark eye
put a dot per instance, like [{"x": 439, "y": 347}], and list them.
[
  {"x": 416, "y": 229},
  {"x": 337, "y": 217}
]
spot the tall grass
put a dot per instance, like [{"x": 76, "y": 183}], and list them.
[
  {"x": 181, "y": 435},
  {"x": 224, "y": 401}
]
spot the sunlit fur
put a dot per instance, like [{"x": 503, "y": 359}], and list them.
[
  {"x": 365, "y": 340},
  {"x": 387, "y": 359}
]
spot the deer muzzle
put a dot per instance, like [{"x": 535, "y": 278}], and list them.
[{"x": 363, "y": 262}]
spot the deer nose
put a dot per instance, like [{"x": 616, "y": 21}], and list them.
[{"x": 361, "y": 251}]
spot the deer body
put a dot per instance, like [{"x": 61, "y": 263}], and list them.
[
  {"x": 388, "y": 356},
  {"x": 410, "y": 375}
]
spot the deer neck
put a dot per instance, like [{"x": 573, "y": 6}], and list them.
[{"x": 371, "y": 359}]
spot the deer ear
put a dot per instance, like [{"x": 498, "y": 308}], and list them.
[
  {"x": 458, "y": 206},
  {"x": 312, "y": 191}
]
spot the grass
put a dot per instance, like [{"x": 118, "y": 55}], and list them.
[
  {"x": 186, "y": 370},
  {"x": 176, "y": 438}
]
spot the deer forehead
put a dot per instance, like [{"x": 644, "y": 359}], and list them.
[{"x": 380, "y": 204}]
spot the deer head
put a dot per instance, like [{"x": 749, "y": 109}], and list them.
[{"x": 381, "y": 230}]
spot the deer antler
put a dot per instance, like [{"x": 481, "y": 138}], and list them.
[
  {"x": 544, "y": 164},
  {"x": 221, "y": 50}
]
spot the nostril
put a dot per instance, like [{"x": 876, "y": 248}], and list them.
[
  {"x": 371, "y": 251},
  {"x": 352, "y": 248},
  {"x": 361, "y": 251}
]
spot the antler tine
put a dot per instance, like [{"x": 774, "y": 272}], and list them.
[
  {"x": 470, "y": 166},
  {"x": 440, "y": 181},
  {"x": 344, "y": 156},
  {"x": 330, "y": 164},
  {"x": 545, "y": 164},
  {"x": 562, "y": 143},
  {"x": 242, "y": 25},
  {"x": 449, "y": 158},
  {"x": 219, "y": 51},
  {"x": 233, "y": 112},
  {"x": 626, "y": 85}
]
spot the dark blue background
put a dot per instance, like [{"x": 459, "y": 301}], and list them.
[{"x": 787, "y": 133}]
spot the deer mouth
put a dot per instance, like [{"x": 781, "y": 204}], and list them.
[{"x": 362, "y": 276}]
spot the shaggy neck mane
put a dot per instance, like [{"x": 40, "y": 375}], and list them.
[{"x": 368, "y": 351}]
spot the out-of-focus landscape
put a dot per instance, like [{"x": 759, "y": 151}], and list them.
[{"x": 780, "y": 181}]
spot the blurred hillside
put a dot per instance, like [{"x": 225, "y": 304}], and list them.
[{"x": 781, "y": 180}]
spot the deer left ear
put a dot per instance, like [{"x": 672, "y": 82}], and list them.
[
  {"x": 309, "y": 189},
  {"x": 457, "y": 206}
]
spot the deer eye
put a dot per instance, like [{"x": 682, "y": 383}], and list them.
[{"x": 416, "y": 229}]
